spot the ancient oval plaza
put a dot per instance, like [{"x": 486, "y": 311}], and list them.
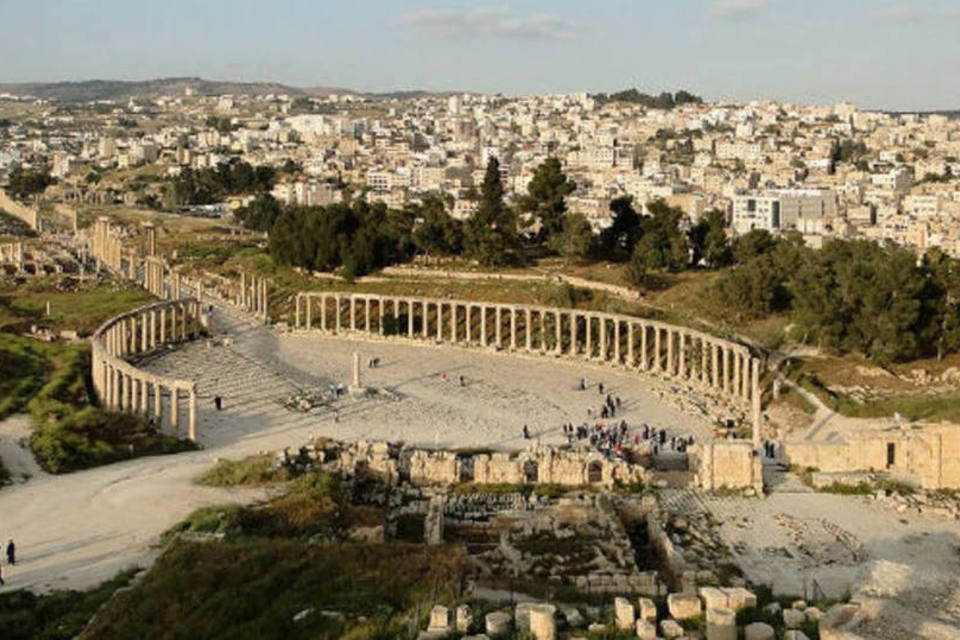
[{"x": 569, "y": 453}]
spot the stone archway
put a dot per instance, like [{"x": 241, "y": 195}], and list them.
[
  {"x": 531, "y": 471},
  {"x": 595, "y": 472}
]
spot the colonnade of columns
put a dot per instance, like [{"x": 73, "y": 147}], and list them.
[
  {"x": 703, "y": 360},
  {"x": 123, "y": 387},
  {"x": 105, "y": 247},
  {"x": 153, "y": 276},
  {"x": 253, "y": 295}
]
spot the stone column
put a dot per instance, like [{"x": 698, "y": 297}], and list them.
[
  {"x": 453, "y": 322},
  {"x": 558, "y": 318},
  {"x": 588, "y": 320},
  {"x": 498, "y": 332},
  {"x": 657, "y": 357},
  {"x": 308, "y": 308},
  {"x": 381, "y": 314},
  {"x": 543, "y": 331},
  {"x": 715, "y": 365},
  {"x": 644, "y": 356},
  {"x": 144, "y": 398},
  {"x": 439, "y": 321},
  {"x": 574, "y": 321},
  {"x": 528, "y": 329},
  {"x": 616, "y": 340},
  {"x": 745, "y": 376},
  {"x": 425, "y": 312},
  {"x": 631, "y": 360},
  {"x": 192, "y": 419},
  {"x": 603, "y": 338},
  {"x": 728, "y": 370},
  {"x": 175, "y": 409},
  {"x": 670, "y": 357},
  {"x": 366, "y": 315},
  {"x": 513, "y": 328},
  {"x": 353, "y": 313},
  {"x": 158, "y": 404},
  {"x": 682, "y": 366},
  {"x": 144, "y": 334},
  {"x": 410, "y": 305},
  {"x": 296, "y": 316},
  {"x": 483, "y": 325},
  {"x": 755, "y": 396}
]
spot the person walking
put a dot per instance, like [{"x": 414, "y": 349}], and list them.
[{"x": 11, "y": 552}]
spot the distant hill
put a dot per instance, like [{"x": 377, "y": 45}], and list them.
[{"x": 121, "y": 90}]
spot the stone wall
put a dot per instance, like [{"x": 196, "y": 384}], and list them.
[
  {"x": 544, "y": 465},
  {"x": 730, "y": 464},
  {"x": 920, "y": 454}
]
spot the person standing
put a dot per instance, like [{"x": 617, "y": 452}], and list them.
[{"x": 11, "y": 552}]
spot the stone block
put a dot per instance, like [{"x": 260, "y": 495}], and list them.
[
  {"x": 646, "y": 630},
  {"x": 799, "y": 605},
  {"x": 464, "y": 618},
  {"x": 671, "y": 629},
  {"x": 498, "y": 624},
  {"x": 439, "y": 619},
  {"x": 714, "y": 598},
  {"x": 683, "y": 605},
  {"x": 721, "y": 624},
  {"x": 759, "y": 631},
  {"x": 795, "y": 635},
  {"x": 543, "y": 622},
  {"x": 739, "y": 598},
  {"x": 647, "y": 609},
  {"x": 574, "y": 618},
  {"x": 521, "y": 615},
  {"x": 623, "y": 613},
  {"x": 793, "y": 619},
  {"x": 813, "y": 614}
]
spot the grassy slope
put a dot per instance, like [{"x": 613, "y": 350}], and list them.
[
  {"x": 276, "y": 560},
  {"x": 60, "y": 615}
]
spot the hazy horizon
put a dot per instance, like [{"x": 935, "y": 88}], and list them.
[{"x": 893, "y": 55}]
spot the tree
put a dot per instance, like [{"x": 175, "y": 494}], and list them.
[
  {"x": 942, "y": 302},
  {"x": 545, "y": 200},
  {"x": 662, "y": 246},
  {"x": 261, "y": 213},
  {"x": 436, "y": 230},
  {"x": 752, "y": 244},
  {"x": 28, "y": 182},
  {"x": 491, "y": 232},
  {"x": 576, "y": 238},
  {"x": 624, "y": 230},
  {"x": 708, "y": 240}
]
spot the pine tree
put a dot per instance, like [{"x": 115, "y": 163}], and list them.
[{"x": 491, "y": 232}]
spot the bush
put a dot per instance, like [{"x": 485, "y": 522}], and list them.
[
  {"x": 60, "y": 615},
  {"x": 249, "y": 472}
]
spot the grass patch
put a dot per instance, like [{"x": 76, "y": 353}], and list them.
[
  {"x": 254, "y": 588},
  {"x": 60, "y": 615},
  {"x": 73, "y": 305},
  {"x": 911, "y": 405},
  {"x": 251, "y": 471},
  {"x": 314, "y": 505},
  {"x": 50, "y": 381}
]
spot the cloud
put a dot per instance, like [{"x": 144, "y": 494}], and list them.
[
  {"x": 732, "y": 9},
  {"x": 903, "y": 12},
  {"x": 486, "y": 21}
]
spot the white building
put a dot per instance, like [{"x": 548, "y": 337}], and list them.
[{"x": 805, "y": 210}]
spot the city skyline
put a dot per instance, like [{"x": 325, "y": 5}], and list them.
[{"x": 879, "y": 55}]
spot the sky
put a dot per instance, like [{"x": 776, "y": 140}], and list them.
[{"x": 887, "y": 54}]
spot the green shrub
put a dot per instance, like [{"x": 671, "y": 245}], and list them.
[{"x": 250, "y": 471}]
